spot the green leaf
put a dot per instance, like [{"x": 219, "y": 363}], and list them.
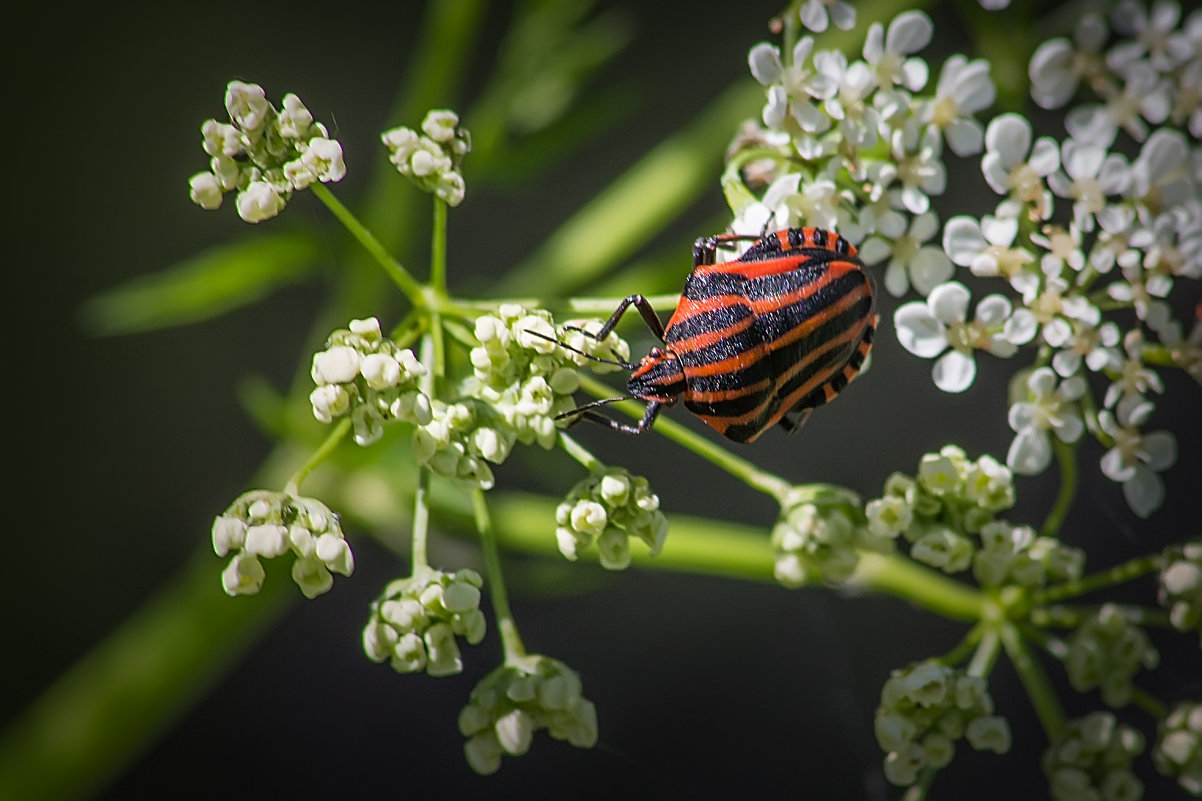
[{"x": 205, "y": 286}]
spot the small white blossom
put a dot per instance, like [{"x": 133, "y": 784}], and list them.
[
  {"x": 1011, "y": 167},
  {"x": 1057, "y": 67},
  {"x": 1051, "y": 408},
  {"x": 259, "y": 201},
  {"x": 910, "y": 260},
  {"x": 940, "y": 328},
  {"x": 817, "y": 14},
  {"x": 1136, "y": 458},
  {"x": 1089, "y": 176},
  {"x": 886, "y": 53},
  {"x": 964, "y": 88}
]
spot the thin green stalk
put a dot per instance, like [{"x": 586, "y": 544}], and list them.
[
  {"x": 438, "y": 248},
  {"x": 421, "y": 522},
  {"x": 511, "y": 641},
  {"x": 393, "y": 268},
  {"x": 986, "y": 653},
  {"x": 900, "y": 576},
  {"x": 336, "y": 435},
  {"x": 738, "y": 467},
  {"x": 1066, "y": 455},
  {"x": 580, "y": 453},
  {"x": 965, "y": 648},
  {"x": 1149, "y": 703},
  {"x": 1107, "y": 578},
  {"x": 1035, "y": 682}
]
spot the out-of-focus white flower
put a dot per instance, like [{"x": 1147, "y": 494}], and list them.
[
  {"x": 1051, "y": 407},
  {"x": 1136, "y": 458}
]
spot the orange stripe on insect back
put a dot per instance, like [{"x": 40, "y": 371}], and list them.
[
  {"x": 740, "y": 361},
  {"x": 688, "y": 307},
  {"x": 707, "y": 338},
  {"x": 807, "y": 326}
]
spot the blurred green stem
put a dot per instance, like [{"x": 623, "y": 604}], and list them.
[
  {"x": 393, "y": 268},
  {"x": 511, "y": 641},
  {"x": 336, "y": 435}
]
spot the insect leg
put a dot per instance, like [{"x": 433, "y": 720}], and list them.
[
  {"x": 642, "y": 427},
  {"x": 640, "y": 303}
]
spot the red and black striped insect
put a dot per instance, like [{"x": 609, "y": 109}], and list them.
[{"x": 755, "y": 342}]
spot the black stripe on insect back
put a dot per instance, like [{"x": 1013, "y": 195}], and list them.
[
  {"x": 705, "y": 322},
  {"x": 770, "y": 326},
  {"x": 781, "y": 358}
]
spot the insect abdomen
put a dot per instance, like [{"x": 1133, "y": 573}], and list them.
[{"x": 784, "y": 328}]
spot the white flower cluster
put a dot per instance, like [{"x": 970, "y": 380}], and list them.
[
  {"x": 952, "y": 498},
  {"x": 264, "y": 525},
  {"x": 813, "y": 542},
  {"x": 858, "y": 146},
  {"x": 366, "y": 375},
  {"x": 516, "y": 700},
  {"x": 1181, "y": 587},
  {"x": 924, "y": 709},
  {"x": 431, "y": 159},
  {"x": 1178, "y": 749},
  {"x": 1129, "y": 233},
  {"x": 263, "y": 154},
  {"x": 1106, "y": 651},
  {"x": 607, "y": 509},
  {"x": 1091, "y": 759},
  {"x": 521, "y": 380},
  {"x": 415, "y": 621}
]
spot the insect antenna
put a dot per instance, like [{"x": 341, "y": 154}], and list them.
[
  {"x": 566, "y": 346},
  {"x": 579, "y": 411}
]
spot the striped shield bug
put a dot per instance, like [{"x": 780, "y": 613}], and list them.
[{"x": 758, "y": 341}]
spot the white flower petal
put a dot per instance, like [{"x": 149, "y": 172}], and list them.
[
  {"x": 1009, "y": 135},
  {"x": 930, "y": 268},
  {"x": 1160, "y": 447},
  {"x": 954, "y": 371},
  {"x": 1030, "y": 453},
  {"x": 948, "y": 302},
  {"x": 918, "y": 331},
  {"x": 1144, "y": 491},
  {"x": 993, "y": 309}
]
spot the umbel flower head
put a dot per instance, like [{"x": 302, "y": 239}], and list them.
[
  {"x": 1092, "y": 759},
  {"x": 1181, "y": 587},
  {"x": 1179, "y": 746},
  {"x": 924, "y": 709},
  {"x": 263, "y": 154},
  {"x": 415, "y": 621},
  {"x": 431, "y": 158},
  {"x": 367, "y": 376},
  {"x": 521, "y": 379},
  {"x": 524, "y": 695},
  {"x": 607, "y": 509},
  {"x": 266, "y": 525}
]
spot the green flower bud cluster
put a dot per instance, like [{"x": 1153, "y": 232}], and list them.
[
  {"x": 1106, "y": 651},
  {"x": 815, "y": 542},
  {"x": 366, "y": 375},
  {"x": 431, "y": 159},
  {"x": 263, "y": 154},
  {"x": 415, "y": 621},
  {"x": 952, "y": 498},
  {"x": 608, "y": 508},
  {"x": 1091, "y": 760},
  {"x": 1178, "y": 749},
  {"x": 520, "y": 371},
  {"x": 1011, "y": 554},
  {"x": 264, "y": 525},
  {"x": 520, "y": 382},
  {"x": 516, "y": 700},
  {"x": 925, "y": 708},
  {"x": 1181, "y": 587}
]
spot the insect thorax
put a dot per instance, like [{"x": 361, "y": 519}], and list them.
[{"x": 659, "y": 377}]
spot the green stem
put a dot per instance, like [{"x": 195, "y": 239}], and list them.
[
  {"x": 438, "y": 248},
  {"x": 1066, "y": 455},
  {"x": 511, "y": 642},
  {"x": 900, "y": 576},
  {"x": 966, "y": 647},
  {"x": 986, "y": 654},
  {"x": 1035, "y": 682},
  {"x": 421, "y": 521},
  {"x": 580, "y": 453},
  {"x": 738, "y": 467},
  {"x": 323, "y": 452},
  {"x": 1115, "y": 575},
  {"x": 399, "y": 275},
  {"x": 1149, "y": 703}
]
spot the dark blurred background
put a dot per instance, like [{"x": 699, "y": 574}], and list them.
[{"x": 126, "y": 447}]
